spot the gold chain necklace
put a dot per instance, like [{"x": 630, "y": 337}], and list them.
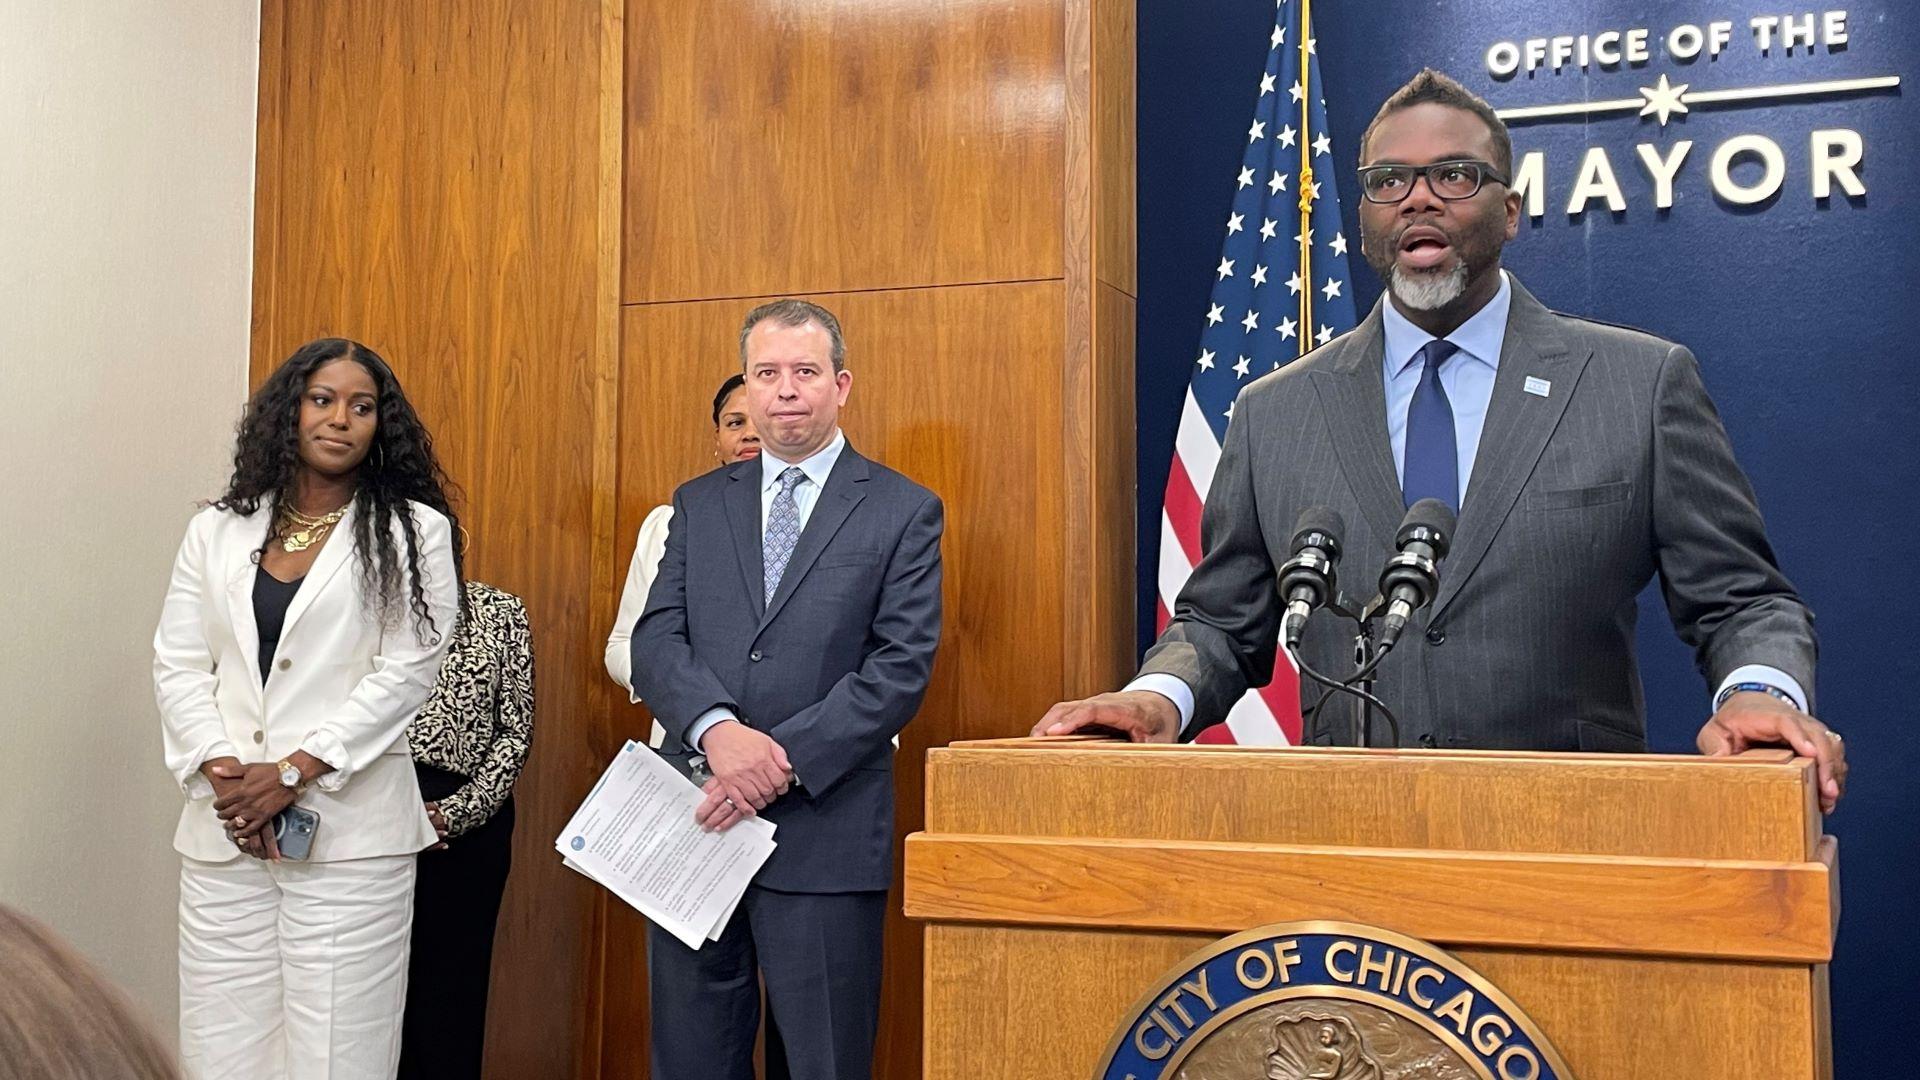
[{"x": 298, "y": 531}]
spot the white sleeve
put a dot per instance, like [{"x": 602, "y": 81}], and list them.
[
  {"x": 192, "y": 732},
  {"x": 384, "y": 702},
  {"x": 647, "y": 550}
]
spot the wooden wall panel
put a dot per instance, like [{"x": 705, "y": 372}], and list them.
[
  {"x": 958, "y": 388},
  {"x": 432, "y": 181},
  {"x": 787, "y": 146}
]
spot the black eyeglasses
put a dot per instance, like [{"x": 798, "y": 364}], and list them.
[{"x": 1449, "y": 180}]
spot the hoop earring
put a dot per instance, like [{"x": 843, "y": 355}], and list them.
[{"x": 379, "y": 457}]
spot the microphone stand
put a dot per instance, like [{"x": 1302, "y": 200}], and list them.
[{"x": 1366, "y": 658}]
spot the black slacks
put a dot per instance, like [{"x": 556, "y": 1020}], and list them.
[{"x": 455, "y": 906}]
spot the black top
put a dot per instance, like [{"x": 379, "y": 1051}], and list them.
[{"x": 270, "y": 599}]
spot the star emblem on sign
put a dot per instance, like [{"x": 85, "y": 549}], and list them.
[{"x": 1664, "y": 100}]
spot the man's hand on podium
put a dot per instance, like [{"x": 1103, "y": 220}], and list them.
[
  {"x": 1750, "y": 719},
  {"x": 1140, "y": 715}
]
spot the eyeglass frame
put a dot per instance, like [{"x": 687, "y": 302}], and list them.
[{"x": 1485, "y": 170}]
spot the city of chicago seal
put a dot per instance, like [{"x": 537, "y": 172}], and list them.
[{"x": 1326, "y": 1001}]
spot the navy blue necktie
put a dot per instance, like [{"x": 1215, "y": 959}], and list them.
[{"x": 1431, "y": 468}]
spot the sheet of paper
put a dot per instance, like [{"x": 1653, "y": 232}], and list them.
[{"x": 635, "y": 835}]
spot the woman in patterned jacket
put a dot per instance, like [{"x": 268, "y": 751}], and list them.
[{"x": 469, "y": 742}]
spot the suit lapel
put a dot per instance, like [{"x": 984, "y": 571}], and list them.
[
  {"x": 1354, "y": 401},
  {"x": 742, "y": 499},
  {"x": 242, "y": 540},
  {"x": 333, "y": 555},
  {"x": 843, "y": 493},
  {"x": 1517, "y": 428}
]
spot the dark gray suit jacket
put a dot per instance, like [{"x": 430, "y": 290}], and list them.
[
  {"x": 832, "y": 668},
  {"x": 1621, "y": 471}
]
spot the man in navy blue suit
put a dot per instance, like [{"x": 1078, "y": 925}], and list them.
[{"x": 787, "y": 639}]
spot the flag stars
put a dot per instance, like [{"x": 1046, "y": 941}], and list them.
[
  {"x": 1296, "y": 92},
  {"x": 1252, "y": 321},
  {"x": 1266, "y": 84},
  {"x": 1216, "y": 315},
  {"x": 1294, "y": 284},
  {"x": 1246, "y": 177},
  {"x": 1225, "y": 270},
  {"x": 1310, "y": 45},
  {"x": 1230, "y": 410},
  {"x": 1288, "y": 329},
  {"x": 1313, "y": 191},
  {"x": 1257, "y": 131},
  {"x": 1278, "y": 184},
  {"x": 1322, "y": 144},
  {"x": 1259, "y": 275},
  {"x": 1325, "y": 335},
  {"x": 1242, "y": 366},
  {"x": 1287, "y": 135},
  {"x": 1269, "y": 228},
  {"x": 1331, "y": 288},
  {"x": 1235, "y": 223},
  {"x": 1339, "y": 244},
  {"x": 1206, "y": 359},
  {"x": 1304, "y": 238},
  {"x": 1279, "y": 36}
]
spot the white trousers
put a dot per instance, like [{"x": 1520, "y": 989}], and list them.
[{"x": 291, "y": 970}]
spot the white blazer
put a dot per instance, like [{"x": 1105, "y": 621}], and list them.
[
  {"x": 343, "y": 687},
  {"x": 647, "y": 550}
]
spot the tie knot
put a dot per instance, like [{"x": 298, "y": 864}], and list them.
[
  {"x": 791, "y": 477},
  {"x": 1438, "y": 351}
]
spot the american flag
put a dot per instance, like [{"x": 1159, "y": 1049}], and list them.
[{"x": 1281, "y": 289}]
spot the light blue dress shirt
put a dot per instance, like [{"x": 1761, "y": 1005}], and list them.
[
  {"x": 805, "y": 494},
  {"x": 1468, "y": 378}
]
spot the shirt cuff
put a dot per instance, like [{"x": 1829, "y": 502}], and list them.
[
  {"x": 1773, "y": 677},
  {"x": 704, "y": 723},
  {"x": 325, "y": 746},
  {"x": 1171, "y": 687},
  {"x": 195, "y": 783}
]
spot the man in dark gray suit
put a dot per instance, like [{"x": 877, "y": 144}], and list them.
[
  {"x": 786, "y": 640},
  {"x": 1582, "y": 459}
]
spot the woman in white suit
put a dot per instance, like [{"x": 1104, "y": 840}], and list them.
[
  {"x": 733, "y": 440},
  {"x": 308, "y": 612}
]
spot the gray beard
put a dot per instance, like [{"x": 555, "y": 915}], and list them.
[{"x": 1427, "y": 292}]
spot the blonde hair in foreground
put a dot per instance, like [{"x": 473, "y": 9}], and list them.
[{"x": 60, "y": 1020}]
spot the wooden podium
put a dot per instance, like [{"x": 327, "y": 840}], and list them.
[{"x": 1655, "y": 916}]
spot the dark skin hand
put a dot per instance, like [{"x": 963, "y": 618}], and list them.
[
  {"x": 439, "y": 826},
  {"x": 255, "y": 794},
  {"x": 1750, "y": 719}
]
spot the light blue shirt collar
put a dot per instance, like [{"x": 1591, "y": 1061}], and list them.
[
  {"x": 816, "y": 467},
  {"x": 1480, "y": 337}
]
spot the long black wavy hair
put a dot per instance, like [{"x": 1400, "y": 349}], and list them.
[{"x": 399, "y": 466}]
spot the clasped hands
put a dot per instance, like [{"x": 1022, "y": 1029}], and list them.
[
  {"x": 246, "y": 798},
  {"x": 749, "y": 769}
]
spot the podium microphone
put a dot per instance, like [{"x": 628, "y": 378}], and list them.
[
  {"x": 1411, "y": 578},
  {"x": 1307, "y": 579}
]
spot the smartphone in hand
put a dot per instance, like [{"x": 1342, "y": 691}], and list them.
[{"x": 293, "y": 830}]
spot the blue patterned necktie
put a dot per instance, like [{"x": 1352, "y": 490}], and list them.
[
  {"x": 1431, "y": 468},
  {"x": 783, "y": 529}
]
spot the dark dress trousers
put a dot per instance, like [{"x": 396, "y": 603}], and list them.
[
  {"x": 832, "y": 666},
  {"x": 1612, "y": 469}
]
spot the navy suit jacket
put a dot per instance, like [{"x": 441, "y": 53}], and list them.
[{"x": 832, "y": 666}]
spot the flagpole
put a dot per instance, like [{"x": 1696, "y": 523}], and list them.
[{"x": 1304, "y": 342}]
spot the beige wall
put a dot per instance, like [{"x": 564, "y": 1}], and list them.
[{"x": 126, "y": 175}]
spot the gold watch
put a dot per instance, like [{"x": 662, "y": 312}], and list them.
[{"x": 290, "y": 775}]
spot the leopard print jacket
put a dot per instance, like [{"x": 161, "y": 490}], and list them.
[{"x": 479, "y": 721}]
